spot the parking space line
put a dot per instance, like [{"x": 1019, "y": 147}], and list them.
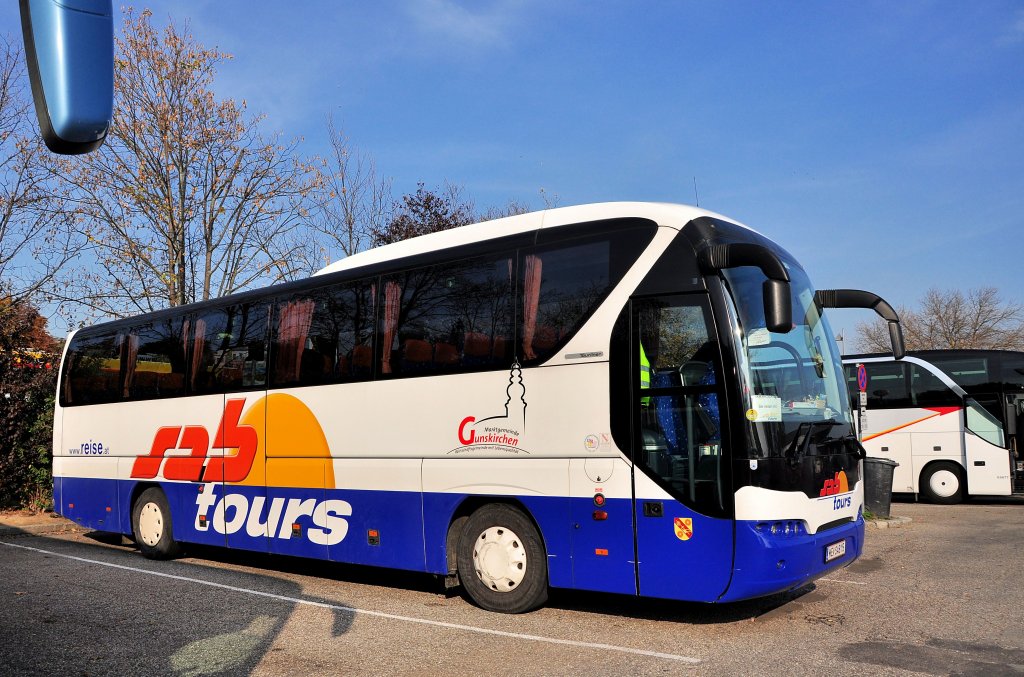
[
  {"x": 836, "y": 580},
  {"x": 379, "y": 614}
]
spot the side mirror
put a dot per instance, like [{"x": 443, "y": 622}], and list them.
[
  {"x": 855, "y": 298},
  {"x": 69, "y": 47},
  {"x": 778, "y": 307}
]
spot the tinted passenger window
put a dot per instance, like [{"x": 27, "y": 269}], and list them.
[
  {"x": 448, "y": 318},
  {"x": 1012, "y": 372},
  {"x": 561, "y": 284},
  {"x": 887, "y": 385},
  {"x": 324, "y": 336},
  {"x": 967, "y": 372},
  {"x": 155, "y": 360},
  {"x": 228, "y": 349},
  {"x": 926, "y": 390},
  {"x": 93, "y": 369}
]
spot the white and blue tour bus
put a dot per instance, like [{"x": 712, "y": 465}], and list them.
[{"x": 626, "y": 397}]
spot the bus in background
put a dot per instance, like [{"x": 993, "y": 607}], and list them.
[
  {"x": 948, "y": 417},
  {"x": 588, "y": 397}
]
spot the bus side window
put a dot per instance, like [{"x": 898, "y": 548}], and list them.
[
  {"x": 887, "y": 385},
  {"x": 315, "y": 335},
  {"x": 155, "y": 360},
  {"x": 228, "y": 349},
  {"x": 92, "y": 375},
  {"x": 926, "y": 390},
  {"x": 448, "y": 318}
]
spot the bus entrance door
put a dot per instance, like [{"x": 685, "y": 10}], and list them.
[{"x": 684, "y": 537}]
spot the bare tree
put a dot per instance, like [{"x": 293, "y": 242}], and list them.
[
  {"x": 426, "y": 212},
  {"x": 35, "y": 240},
  {"x": 952, "y": 319},
  {"x": 186, "y": 200},
  {"x": 511, "y": 208},
  {"x": 351, "y": 203}
]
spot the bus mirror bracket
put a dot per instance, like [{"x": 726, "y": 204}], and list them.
[
  {"x": 69, "y": 49},
  {"x": 855, "y": 298},
  {"x": 778, "y": 306}
]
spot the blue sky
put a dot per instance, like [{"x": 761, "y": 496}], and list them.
[{"x": 882, "y": 143}]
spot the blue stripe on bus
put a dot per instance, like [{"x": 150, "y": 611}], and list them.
[{"x": 583, "y": 553}]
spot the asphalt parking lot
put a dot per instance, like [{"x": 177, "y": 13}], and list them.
[{"x": 938, "y": 596}]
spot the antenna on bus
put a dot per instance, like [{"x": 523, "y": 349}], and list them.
[{"x": 695, "y": 198}]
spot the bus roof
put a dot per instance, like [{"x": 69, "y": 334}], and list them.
[{"x": 662, "y": 213}]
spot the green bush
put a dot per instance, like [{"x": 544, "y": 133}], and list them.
[{"x": 27, "y": 388}]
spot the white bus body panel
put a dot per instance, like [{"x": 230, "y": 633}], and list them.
[
  {"x": 992, "y": 476},
  {"x": 765, "y": 505}
]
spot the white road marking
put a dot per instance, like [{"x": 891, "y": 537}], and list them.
[
  {"x": 378, "y": 614},
  {"x": 836, "y": 580}
]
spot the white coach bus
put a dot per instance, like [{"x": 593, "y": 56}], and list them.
[
  {"x": 948, "y": 417},
  {"x": 587, "y": 398}
]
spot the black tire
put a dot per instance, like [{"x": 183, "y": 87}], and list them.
[
  {"x": 152, "y": 527},
  {"x": 943, "y": 483},
  {"x": 512, "y": 576}
]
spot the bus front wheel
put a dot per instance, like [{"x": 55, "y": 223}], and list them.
[
  {"x": 502, "y": 564},
  {"x": 151, "y": 525},
  {"x": 942, "y": 482}
]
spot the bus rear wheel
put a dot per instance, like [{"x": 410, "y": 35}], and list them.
[
  {"x": 151, "y": 525},
  {"x": 942, "y": 482},
  {"x": 501, "y": 560}
]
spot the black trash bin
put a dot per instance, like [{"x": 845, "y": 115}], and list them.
[{"x": 878, "y": 485}]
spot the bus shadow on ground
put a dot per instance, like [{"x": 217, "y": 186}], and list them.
[
  {"x": 323, "y": 569},
  {"x": 694, "y": 613},
  {"x": 100, "y": 614},
  {"x": 569, "y": 600}
]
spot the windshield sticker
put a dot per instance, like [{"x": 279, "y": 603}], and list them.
[
  {"x": 766, "y": 408},
  {"x": 759, "y": 337}
]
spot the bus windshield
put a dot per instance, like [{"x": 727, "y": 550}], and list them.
[{"x": 792, "y": 383}]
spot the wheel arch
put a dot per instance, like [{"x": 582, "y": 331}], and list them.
[
  {"x": 467, "y": 507},
  {"x": 961, "y": 471}
]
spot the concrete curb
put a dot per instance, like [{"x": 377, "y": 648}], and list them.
[
  {"x": 891, "y": 523},
  {"x": 43, "y": 525}
]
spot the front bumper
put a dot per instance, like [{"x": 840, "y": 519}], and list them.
[{"x": 769, "y": 563}]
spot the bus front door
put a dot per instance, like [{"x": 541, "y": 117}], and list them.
[{"x": 684, "y": 536}]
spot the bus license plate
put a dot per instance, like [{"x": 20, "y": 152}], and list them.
[{"x": 835, "y": 551}]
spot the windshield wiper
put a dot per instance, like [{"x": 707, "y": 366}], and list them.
[{"x": 798, "y": 447}]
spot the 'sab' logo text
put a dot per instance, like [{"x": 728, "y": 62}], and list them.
[
  {"x": 196, "y": 439},
  {"x": 837, "y": 485}
]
